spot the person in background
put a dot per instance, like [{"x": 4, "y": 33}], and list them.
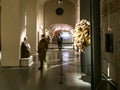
[
  {"x": 42, "y": 49},
  {"x": 48, "y": 39},
  {"x": 59, "y": 42},
  {"x": 25, "y": 49}
]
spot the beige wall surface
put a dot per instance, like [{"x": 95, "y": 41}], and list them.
[
  {"x": 31, "y": 21},
  {"x": 68, "y": 17},
  {"x": 110, "y": 24},
  {"x": 12, "y": 25}
]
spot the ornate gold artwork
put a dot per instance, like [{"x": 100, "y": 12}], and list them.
[{"x": 81, "y": 35}]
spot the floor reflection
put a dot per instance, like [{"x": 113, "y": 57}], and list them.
[{"x": 62, "y": 71}]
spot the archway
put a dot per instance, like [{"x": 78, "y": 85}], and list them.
[{"x": 64, "y": 30}]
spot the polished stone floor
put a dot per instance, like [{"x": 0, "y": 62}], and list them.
[{"x": 61, "y": 71}]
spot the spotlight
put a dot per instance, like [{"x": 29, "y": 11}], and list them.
[{"x": 60, "y": 1}]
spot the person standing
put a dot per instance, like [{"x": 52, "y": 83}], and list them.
[
  {"x": 59, "y": 42},
  {"x": 42, "y": 49},
  {"x": 48, "y": 39}
]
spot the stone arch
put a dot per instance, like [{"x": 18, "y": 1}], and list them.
[{"x": 55, "y": 29}]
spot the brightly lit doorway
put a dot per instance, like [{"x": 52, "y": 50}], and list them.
[{"x": 64, "y": 30}]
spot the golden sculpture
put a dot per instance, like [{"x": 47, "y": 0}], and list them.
[{"x": 81, "y": 35}]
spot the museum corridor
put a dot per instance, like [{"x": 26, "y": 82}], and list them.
[{"x": 62, "y": 71}]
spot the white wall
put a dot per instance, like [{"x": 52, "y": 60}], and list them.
[
  {"x": 31, "y": 12},
  {"x": 11, "y": 28}
]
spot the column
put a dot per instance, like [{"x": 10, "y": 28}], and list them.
[
  {"x": 12, "y": 24},
  {"x": 96, "y": 43},
  {"x": 78, "y": 11},
  {"x": 31, "y": 24}
]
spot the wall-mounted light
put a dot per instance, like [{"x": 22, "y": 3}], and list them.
[{"x": 60, "y": 1}]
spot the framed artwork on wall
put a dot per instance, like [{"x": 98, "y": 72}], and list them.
[{"x": 109, "y": 42}]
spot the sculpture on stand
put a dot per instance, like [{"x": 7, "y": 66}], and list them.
[
  {"x": 25, "y": 49},
  {"x": 81, "y": 35}
]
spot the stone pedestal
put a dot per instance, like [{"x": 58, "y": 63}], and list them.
[{"x": 26, "y": 61}]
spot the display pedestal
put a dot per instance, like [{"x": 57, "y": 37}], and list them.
[
  {"x": 86, "y": 61},
  {"x": 26, "y": 61}
]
